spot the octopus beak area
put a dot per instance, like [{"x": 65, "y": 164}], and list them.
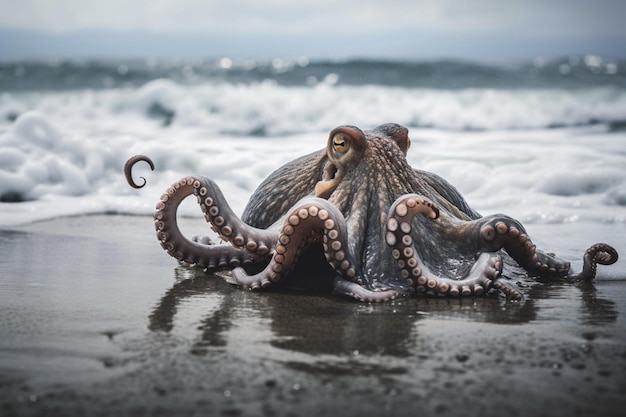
[
  {"x": 330, "y": 180},
  {"x": 345, "y": 145}
]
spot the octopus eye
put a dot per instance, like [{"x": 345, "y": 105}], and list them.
[{"x": 340, "y": 143}]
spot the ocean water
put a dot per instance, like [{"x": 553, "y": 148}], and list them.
[{"x": 543, "y": 141}]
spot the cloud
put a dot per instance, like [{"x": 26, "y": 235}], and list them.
[
  {"x": 442, "y": 28},
  {"x": 542, "y": 17}
]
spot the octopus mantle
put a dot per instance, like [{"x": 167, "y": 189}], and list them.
[{"x": 358, "y": 214}]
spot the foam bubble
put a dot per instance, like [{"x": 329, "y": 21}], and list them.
[{"x": 35, "y": 129}]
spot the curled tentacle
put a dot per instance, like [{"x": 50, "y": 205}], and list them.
[
  {"x": 177, "y": 245},
  {"x": 259, "y": 243},
  {"x": 500, "y": 231},
  {"x": 311, "y": 221},
  {"x": 480, "y": 278},
  {"x": 128, "y": 168},
  {"x": 600, "y": 253}
]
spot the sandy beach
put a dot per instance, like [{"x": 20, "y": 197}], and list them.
[{"x": 95, "y": 319}]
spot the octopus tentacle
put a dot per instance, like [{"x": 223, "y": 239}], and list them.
[
  {"x": 501, "y": 231},
  {"x": 313, "y": 220},
  {"x": 360, "y": 293},
  {"x": 183, "y": 249},
  {"x": 600, "y": 253},
  {"x": 509, "y": 289},
  {"x": 480, "y": 279},
  {"x": 259, "y": 243},
  {"x": 128, "y": 169}
]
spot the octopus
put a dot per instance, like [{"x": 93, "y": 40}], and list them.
[{"x": 358, "y": 215}]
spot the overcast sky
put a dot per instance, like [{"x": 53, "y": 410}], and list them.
[{"x": 334, "y": 28}]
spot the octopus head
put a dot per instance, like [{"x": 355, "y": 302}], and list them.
[{"x": 365, "y": 172}]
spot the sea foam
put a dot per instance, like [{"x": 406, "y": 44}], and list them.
[{"x": 540, "y": 154}]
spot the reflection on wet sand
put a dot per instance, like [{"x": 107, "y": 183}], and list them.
[
  {"x": 594, "y": 309},
  {"x": 321, "y": 324},
  {"x": 105, "y": 333}
]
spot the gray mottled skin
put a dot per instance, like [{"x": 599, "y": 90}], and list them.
[
  {"x": 385, "y": 228},
  {"x": 377, "y": 175}
]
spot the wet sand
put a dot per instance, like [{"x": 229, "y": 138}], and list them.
[{"x": 95, "y": 320}]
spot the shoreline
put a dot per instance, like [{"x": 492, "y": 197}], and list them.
[{"x": 95, "y": 319}]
